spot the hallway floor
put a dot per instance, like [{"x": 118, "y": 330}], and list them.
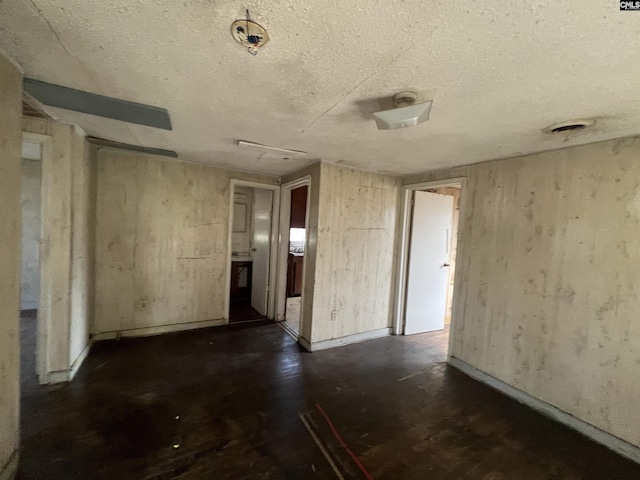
[
  {"x": 243, "y": 313},
  {"x": 233, "y": 402}
]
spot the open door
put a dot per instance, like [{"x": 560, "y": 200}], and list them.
[
  {"x": 263, "y": 207},
  {"x": 428, "y": 273}
]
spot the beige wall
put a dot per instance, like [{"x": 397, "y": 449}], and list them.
[
  {"x": 355, "y": 252},
  {"x": 161, "y": 241},
  {"x": 10, "y": 176},
  {"x": 66, "y": 251},
  {"x": 30, "y": 208},
  {"x": 83, "y": 190},
  {"x": 549, "y": 276}
]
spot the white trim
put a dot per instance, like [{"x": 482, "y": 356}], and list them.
[
  {"x": 150, "y": 331},
  {"x": 35, "y": 138},
  {"x": 59, "y": 376},
  {"x": 403, "y": 251},
  {"x": 75, "y": 366},
  {"x": 610, "y": 441},
  {"x": 283, "y": 249},
  {"x": 305, "y": 343},
  {"x": 289, "y": 329},
  {"x": 347, "y": 340},
  {"x": 8, "y": 470},
  {"x": 273, "y": 251}
]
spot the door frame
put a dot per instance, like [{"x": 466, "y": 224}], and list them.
[
  {"x": 283, "y": 252},
  {"x": 273, "y": 250},
  {"x": 406, "y": 194},
  {"x": 44, "y": 322}
]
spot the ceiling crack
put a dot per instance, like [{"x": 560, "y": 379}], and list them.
[
  {"x": 340, "y": 100},
  {"x": 373, "y": 74},
  {"x": 53, "y": 30}
]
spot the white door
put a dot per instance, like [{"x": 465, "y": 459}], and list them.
[
  {"x": 263, "y": 206},
  {"x": 428, "y": 262}
]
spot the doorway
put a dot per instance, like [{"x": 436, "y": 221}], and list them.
[
  {"x": 293, "y": 246},
  {"x": 428, "y": 258},
  {"x": 253, "y": 230},
  {"x": 30, "y": 204}
]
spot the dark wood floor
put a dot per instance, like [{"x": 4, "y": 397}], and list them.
[
  {"x": 28, "y": 331},
  {"x": 232, "y": 403},
  {"x": 243, "y": 312}
]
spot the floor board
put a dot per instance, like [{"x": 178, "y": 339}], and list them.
[
  {"x": 243, "y": 313},
  {"x": 229, "y": 403}
]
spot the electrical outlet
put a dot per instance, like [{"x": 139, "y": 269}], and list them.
[{"x": 334, "y": 315}]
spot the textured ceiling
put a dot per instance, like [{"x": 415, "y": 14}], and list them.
[{"x": 498, "y": 72}]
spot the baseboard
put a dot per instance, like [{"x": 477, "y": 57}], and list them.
[
  {"x": 62, "y": 376},
  {"x": 289, "y": 329},
  {"x": 610, "y": 441},
  {"x": 58, "y": 376},
  {"x": 75, "y": 366},
  {"x": 305, "y": 343},
  {"x": 9, "y": 470},
  {"x": 149, "y": 331},
  {"x": 347, "y": 340}
]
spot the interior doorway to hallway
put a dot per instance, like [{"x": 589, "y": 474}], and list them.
[
  {"x": 252, "y": 262},
  {"x": 428, "y": 257},
  {"x": 293, "y": 244},
  {"x": 30, "y": 204}
]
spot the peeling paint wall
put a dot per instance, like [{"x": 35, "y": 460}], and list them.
[
  {"x": 355, "y": 252},
  {"x": 161, "y": 241},
  {"x": 10, "y": 176},
  {"x": 547, "y": 296}
]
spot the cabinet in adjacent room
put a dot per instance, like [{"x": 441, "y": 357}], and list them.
[{"x": 294, "y": 275}]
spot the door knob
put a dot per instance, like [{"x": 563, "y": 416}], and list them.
[{"x": 446, "y": 265}]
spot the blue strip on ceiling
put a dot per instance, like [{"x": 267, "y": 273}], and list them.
[
  {"x": 85, "y": 102},
  {"x": 134, "y": 148}
]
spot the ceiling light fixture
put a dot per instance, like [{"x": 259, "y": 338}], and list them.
[
  {"x": 259, "y": 146},
  {"x": 407, "y": 113},
  {"x": 250, "y": 34}
]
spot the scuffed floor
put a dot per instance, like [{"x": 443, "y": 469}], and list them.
[
  {"x": 232, "y": 402},
  {"x": 294, "y": 304}
]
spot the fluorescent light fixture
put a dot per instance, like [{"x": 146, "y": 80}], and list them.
[
  {"x": 259, "y": 146},
  {"x": 408, "y": 116}
]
